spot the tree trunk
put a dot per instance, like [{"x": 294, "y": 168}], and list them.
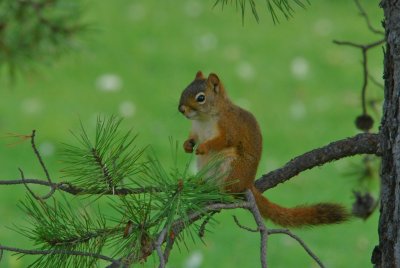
[{"x": 387, "y": 253}]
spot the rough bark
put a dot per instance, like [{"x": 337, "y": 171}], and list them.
[
  {"x": 365, "y": 143},
  {"x": 387, "y": 253}
]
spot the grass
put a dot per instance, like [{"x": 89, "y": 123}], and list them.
[{"x": 303, "y": 89}]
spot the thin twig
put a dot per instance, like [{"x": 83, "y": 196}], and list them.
[
  {"x": 364, "y": 62},
  {"x": 360, "y": 46},
  {"x": 365, "y": 81},
  {"x": 39, "y": 157},
  {"x": 244, "y": 227},
  {"x": 53, "y": 187},
  {"x": 367, "y": 20},
  {"x": 30, "y": 181},
  {"x": 261, "y": 227},
  {"x": 202, "y": 228},
  {"x": 26, "y": 185},
  {"x": 49, "y": 194},
  {"x": 58, "y": 252},
  {"x": 301, "y": 242}
]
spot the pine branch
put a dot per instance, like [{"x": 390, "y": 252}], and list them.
[
  {"x": 151, "y": 218},
  {"x": 73, "y": 190},
  {"x": 140, "y": 227},
  {"x": 58, "y": 252},
  {"x": 365, "y": 143},
  {"x": 102, "y": 165},
  {"x": 57, "y": 228},
  {"x": 37, "y": 31},
  {"x": 276, "y": 8}
]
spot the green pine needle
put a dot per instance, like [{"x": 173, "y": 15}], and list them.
[
  {"x": 106, "y": 162},
  {"x": 180, "y": 194},
  {"x": 139, "y": 228},
  {"x": 34, "y": 31},
  {"x": 183, "y": 193},
  {"x": 103, "y": 162},
  {"x": 60, "y": 227},
  {"x": 275, "y": 7}
]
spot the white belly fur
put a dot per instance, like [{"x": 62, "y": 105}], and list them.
[{"x": 206, "y": 130}]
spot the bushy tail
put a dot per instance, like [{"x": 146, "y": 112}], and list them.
[{"x": 322, "y": 213}]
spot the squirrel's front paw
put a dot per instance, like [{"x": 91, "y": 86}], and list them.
[
  {"x": 202, "y": 149},
  {"x": 188, "y": 145}
]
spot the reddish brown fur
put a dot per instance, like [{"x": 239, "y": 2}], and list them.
[
  {"x": 323, "y": 213},
  {"x": 238, "y": 130}
]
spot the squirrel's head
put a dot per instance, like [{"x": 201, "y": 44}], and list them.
[{"x": 203, "y": 97}]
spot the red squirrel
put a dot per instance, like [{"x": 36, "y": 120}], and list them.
[{"x": 221, "y": 127}]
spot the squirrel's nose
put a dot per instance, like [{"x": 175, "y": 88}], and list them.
[{"x": 181, "y": 108}]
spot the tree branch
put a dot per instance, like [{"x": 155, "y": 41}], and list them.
[
  {"x": 178, "y": 227},
  {"x": 55, "y": 252},
  {"x": 158, "y": 244},
  {"x": 365, "y": 143},
  {"x": 71, "y": 189},
  {"x": 360, "y": 46},
  {"x": 261, "y": 227}
]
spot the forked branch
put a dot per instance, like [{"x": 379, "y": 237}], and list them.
[{"x": 365, "y": 143}]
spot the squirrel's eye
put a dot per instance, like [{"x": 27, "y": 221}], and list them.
[{"x": 201, "y": 97}]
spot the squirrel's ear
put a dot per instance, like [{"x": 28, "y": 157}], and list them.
[
  {"x": 214, "y": 81},
  {"x": 199, "y": 75}
]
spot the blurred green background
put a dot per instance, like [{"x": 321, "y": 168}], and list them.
[{"x": 136, "y": 59}]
